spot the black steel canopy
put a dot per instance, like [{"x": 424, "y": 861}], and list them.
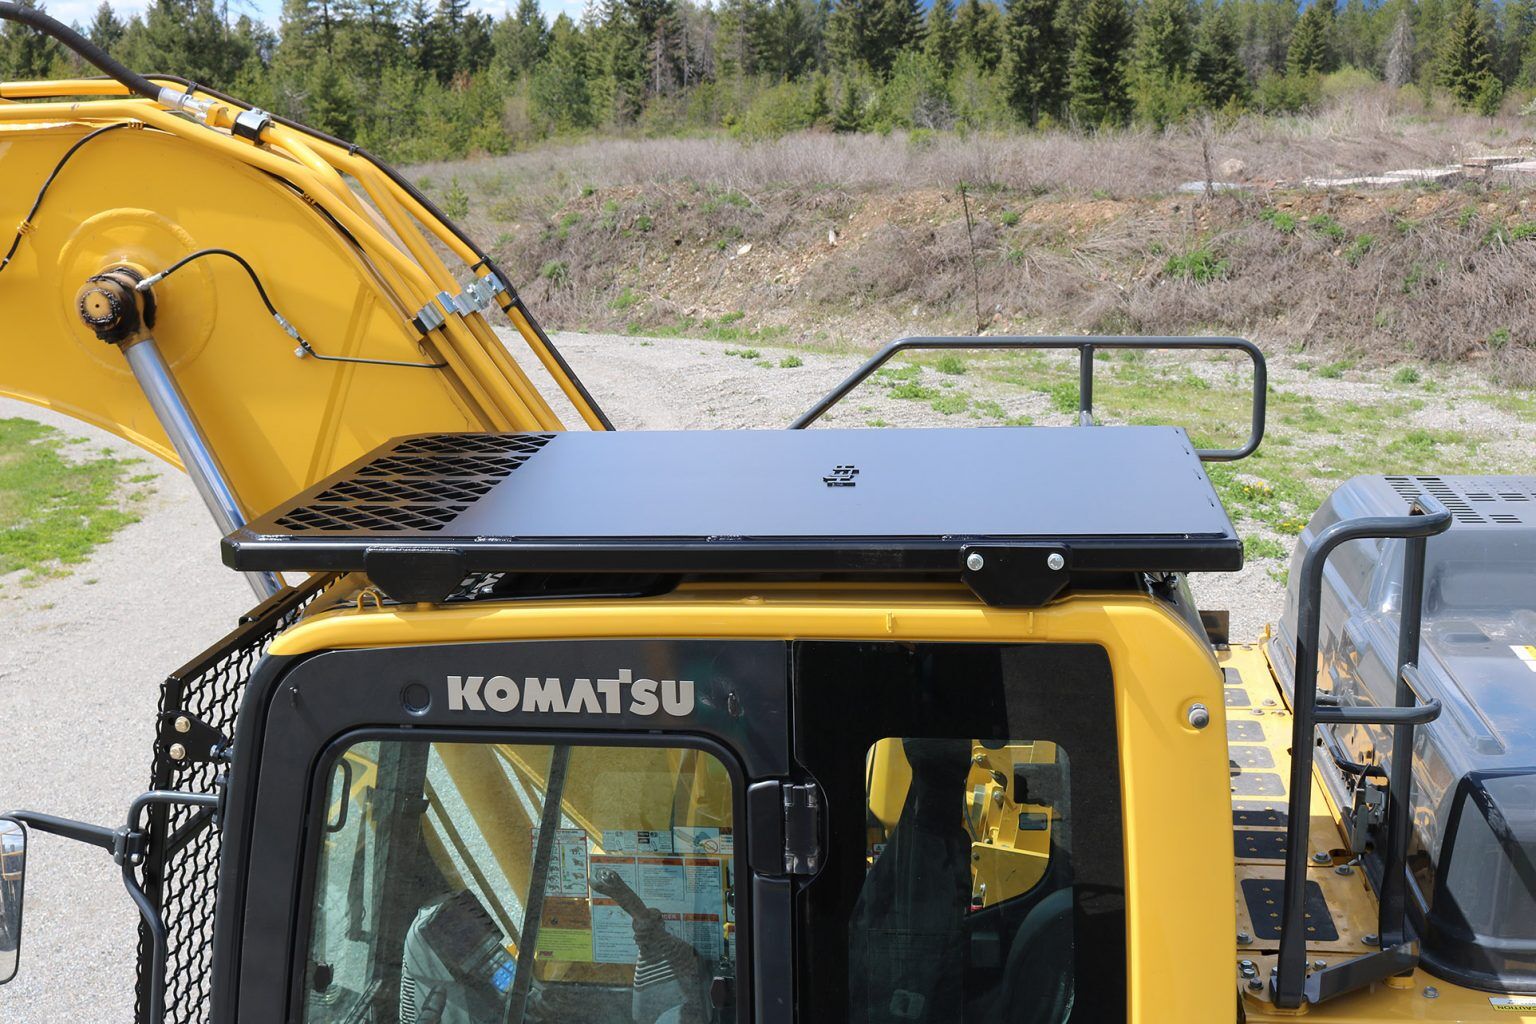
[{"x": 1016, "y": 511}]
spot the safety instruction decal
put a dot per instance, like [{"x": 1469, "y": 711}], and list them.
[
  {"x": 1513, "y": 1004},
  {"x": 1527, "y": 654}
]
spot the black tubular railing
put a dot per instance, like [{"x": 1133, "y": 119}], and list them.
[
  {"x": 1290, "y": 983},
  {"x": 1085, "y": 346}
]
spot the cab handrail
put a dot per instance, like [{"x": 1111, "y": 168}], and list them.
[
  {"x": 1086, "y": 346},
  {"x": 1291, "y": 984}
]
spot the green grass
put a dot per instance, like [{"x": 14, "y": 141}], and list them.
[
  {"x": 1406, "y": 375},
  {"x": 55, "y": 509},
  {"x": 1281, "y": 221},
  {"x": 1198, "y": 265},
  {"x": 951, "y": 403},
  {"x": 744, "y": 353},
  {"x": 1263, "y": 547},
  {"x": 791, "y": 362},
  {"x": 1329, "y": 228},
  {"x": 1336, "y": 370},
  {"x": 911, "y": 389},
  {"x": 950, "y": 363}
]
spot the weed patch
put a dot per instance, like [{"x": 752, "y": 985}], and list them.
[{"x": 55, "y": 509}]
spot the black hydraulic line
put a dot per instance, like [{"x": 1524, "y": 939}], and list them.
[
  {"x": 282, "y": 321},
  {"x": 81, "y": 46},
  {"x": 26, "y": 222}
]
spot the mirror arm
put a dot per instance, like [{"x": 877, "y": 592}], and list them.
[
  {"x": 127, "y": 847},
  {"x": 108, "y": 839}
]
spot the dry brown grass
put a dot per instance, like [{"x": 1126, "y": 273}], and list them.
[{"x": 859, "y": 238}]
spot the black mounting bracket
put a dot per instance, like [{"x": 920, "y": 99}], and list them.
[
  {"x": 1022, "y": 576},
  {"x": 194, "y": 740}
]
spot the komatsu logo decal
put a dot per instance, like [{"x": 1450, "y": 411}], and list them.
[{"x": 619, "y": 695}]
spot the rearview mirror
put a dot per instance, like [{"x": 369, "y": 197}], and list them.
[{"x": 13, "y": 870}]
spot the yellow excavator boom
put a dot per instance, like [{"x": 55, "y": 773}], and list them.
[{"x": 327, "y": 307}]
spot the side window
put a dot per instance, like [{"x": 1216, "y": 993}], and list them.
[
  {"x": 448, "y": 903},
  {"x": 962, "y": 831},
  {"x": 974, "y": 869}
]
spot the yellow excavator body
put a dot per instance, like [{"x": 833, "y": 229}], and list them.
[{"x": 670, "y": 730}]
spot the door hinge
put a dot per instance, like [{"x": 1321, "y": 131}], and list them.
[{"x": 802, "y": 829}]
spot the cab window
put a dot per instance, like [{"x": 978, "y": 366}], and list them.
[
  {"x": 430, "y": 856},
  {"x": 975, "y": 865}
]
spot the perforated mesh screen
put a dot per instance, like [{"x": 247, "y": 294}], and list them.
[
  {"x": 419, "y": 485},
  {"x": 181, "y": 875}
]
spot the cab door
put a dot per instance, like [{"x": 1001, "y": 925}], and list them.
[
  {"x": 526, "y": 831},
  {"x": 974, "y": 867}
]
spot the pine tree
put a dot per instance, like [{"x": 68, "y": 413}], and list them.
[
  {"x": 1398, "y": 69},
  {"x": 1466, "y": 60},
  {"x": 25, "y": 52},
  {"x": 1217, "y": 66},
  {"x": 106, "y": 29},
  {"x": 870, "y": 33},
  {"x": 942, "y": 35},
  {"x": 983, "y": 36},
  {"x": 1163, "y": 43},
  {"x": 519, "y": 41},
  {"x": 1310, "y": 51},
  {"x": 1096, "y": 81},
  {"x": 1034, "y": 71},
  {"x": 558, "y": 92}
]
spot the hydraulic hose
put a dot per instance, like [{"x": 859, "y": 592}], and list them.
[{"x": 79, "y": 44}]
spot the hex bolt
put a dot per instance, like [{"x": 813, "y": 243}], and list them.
[
  {"x": 974, "y": 561},
  {"x": 1344, "y": 869},
  {"x": 1318, "y": 965},
  {"x": 1055, "y": 562},
  {"x": 178, "y": 752},
  {"x": 1372, "y": 939},
  {"x": 183, "y": 723},
  {"x": 1243, "y": 938},
  {"x": 1320, "y": 857},
  {"x": 1248, "y": 967},
  {"x": 1256, "y": 984},
  {"x": 1199, "y": 716},
  {"x": 1430, "y": 992}
]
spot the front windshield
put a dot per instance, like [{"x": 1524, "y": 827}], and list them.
[{"x": 428, "y": 905}]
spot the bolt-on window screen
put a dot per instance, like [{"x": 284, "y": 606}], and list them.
[
  {"x": 974, "y": 864},
  {"x": 440, "y": 897}
]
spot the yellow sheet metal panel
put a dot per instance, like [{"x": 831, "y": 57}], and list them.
[{"x": 1180, "y": 917}]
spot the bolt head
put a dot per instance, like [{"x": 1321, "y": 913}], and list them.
[
  {"x": 1055, "y": 562},
  {"x": 183, "y": 723},
  {"x": 1320, "y": 857},
  {"x": 1430, "y": 992},
  {"x": 1199, "y": 716},
  {"x": 1243, "y": 938},
  {"x": 974, "y": 561},
  {"x": 1372, "y": 940},
  {"x": 1344, "y": 869},
  {"x": 178, "y": 752},
  {"x": 1257, "y": 984}
]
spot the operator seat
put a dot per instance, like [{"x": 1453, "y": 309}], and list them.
[{"x": 907, "y": 947}]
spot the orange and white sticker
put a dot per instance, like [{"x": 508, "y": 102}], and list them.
[{"x": 1527, "y": 654}]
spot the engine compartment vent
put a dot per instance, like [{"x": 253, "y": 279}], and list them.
[{"x": 1483, "y": 501}]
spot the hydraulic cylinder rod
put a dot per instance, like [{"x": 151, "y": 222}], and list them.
[{"x": 175, "y": 416}]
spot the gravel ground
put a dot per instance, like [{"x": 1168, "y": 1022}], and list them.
[{"x": 82, "y": 656}]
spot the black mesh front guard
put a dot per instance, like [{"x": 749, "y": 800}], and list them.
[{"x": 181, "y": 877}]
